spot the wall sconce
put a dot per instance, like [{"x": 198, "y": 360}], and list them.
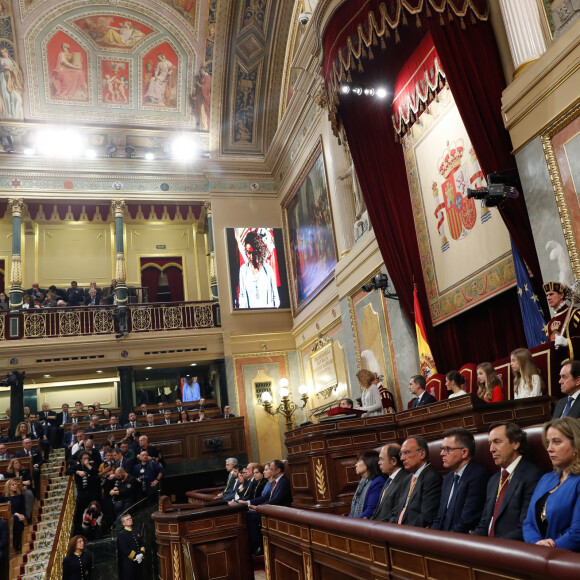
[{"x": 287, "y": 406}]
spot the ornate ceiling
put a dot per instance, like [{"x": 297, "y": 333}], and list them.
[{"x": 130, "y": 72}]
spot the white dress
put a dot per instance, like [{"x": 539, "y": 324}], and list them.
[
  {"x": 371, "y": 401},
  {"x": 524, "y": 391},
  {"x": 457, "y": 394}
]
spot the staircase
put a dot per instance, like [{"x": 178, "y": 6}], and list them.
[{"x": 39, "y": 539}]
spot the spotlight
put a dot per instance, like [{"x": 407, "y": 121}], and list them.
[
  {"x": 112, "y": 150},
  {"x": 357, "y": 90},
  {"x": 344, "y": 89},
  {"x": 29, "y": 151},
  {"x": 149, "y": 155},
  {"x": 381, "y": 93},
  {"x": 8, "y": 143},
  {"x": 369, "y": 91},
  {"x": 184, "y": 148},
  {"x": 129, "y": 152},
  {"x": 60, "y": 143}
]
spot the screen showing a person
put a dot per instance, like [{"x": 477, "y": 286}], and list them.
[{"x": 257, "y": 268}]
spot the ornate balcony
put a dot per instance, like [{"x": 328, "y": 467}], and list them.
[{"x": 104, "y": 320}]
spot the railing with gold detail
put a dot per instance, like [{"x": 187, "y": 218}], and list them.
[
  {"x": 63, "y": 532},
  {"x": 104, "y": 320}
]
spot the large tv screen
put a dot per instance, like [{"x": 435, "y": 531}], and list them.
[{"x": 257, "y": 268}]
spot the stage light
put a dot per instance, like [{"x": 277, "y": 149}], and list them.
[
  {"x": 344, "y": 89},
  {"x": 184, "y": 148},
  {"x": 357, "y": 90},
  {"x": 149, "y": 155},
  {"x": 381, "y": 93},
  {"x": 369, "y": 91},
  {"x": 60, "y": 143}
]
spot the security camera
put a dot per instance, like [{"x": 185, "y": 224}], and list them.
[{"x": 304, "y": 18}]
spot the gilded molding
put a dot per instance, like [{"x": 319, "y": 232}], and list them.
[
  {"x": 16, "y": 270},
  {"x": 320, "y": 479},
  {"x": 120, "y": 269},
  {"x": 118, "y": 206},
  {"x": 267, "y": 558},
  {"x": 558, "y": 186},
  {"x": 16, "y": 205},
  {"x": 176, "y": 562}
]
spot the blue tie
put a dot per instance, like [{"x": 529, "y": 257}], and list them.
[
  {"x": 451, "y": 505},
  {"x": 568, "y": 406}
]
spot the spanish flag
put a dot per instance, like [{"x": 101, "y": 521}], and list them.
[{"x": 428, "y": 367}]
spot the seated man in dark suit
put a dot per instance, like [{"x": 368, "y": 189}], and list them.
[
  {"x": 280, "y": 494},
  {"x": 420, "y": 496},
  {"x": 396, "y": 477},
  {"x": 227, "y": 413},
  {"x": 167, "y": 420},
  {"x": 509, "y": 491},
  {"x": 418, "y": 386},
  {"x": 28, "y": 451},
  {"x": 569, "y": 406},
  {"x": 463, "y": 492}
]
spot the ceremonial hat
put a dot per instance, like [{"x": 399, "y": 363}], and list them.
[{"x": 554, "y": 287}]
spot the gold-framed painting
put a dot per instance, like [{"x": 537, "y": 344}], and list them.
[
  {"x": 323, "y": 368},
  {"x": 310, "y": 247},
  {"x": 561, "y": 143}
]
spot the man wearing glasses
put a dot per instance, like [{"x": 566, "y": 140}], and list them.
[
  {"x": 463, "y": 492},
  {"x": 420, "y": 496}
]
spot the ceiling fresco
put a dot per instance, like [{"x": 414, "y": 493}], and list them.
[{"x": 147, "y": 63}]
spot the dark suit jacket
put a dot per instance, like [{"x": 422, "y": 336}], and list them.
[
  {"x": 280, "y": 495},
  {"x": 249, "y": 490},
  {"x": 424, "y": 501},
  {"x": 387, "y": 502},
  {"x": 574, "y": 411},
  {"x": 467, "y": 507},
  {"x": 426, "y": 399},
  {"x": 60, "y": 416},
  {"x": 67, "y": 439},
  {"x": 514, "y": 506},
  {"x": 222, "y": 416},
  {"x": 34, "y": 452},
  {"x": 38, "y": 432}
]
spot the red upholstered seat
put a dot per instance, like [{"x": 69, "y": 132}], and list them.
[
  {"x": 436, "y": 386},
  {"x": 469, "y": 373}
]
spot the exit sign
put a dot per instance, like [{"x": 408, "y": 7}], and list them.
[{"x": 160, "y": 246}]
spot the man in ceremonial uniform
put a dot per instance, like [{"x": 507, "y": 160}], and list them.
[
  {"x": 130, "y": 549},
  {"x": 564, "y": 328}
]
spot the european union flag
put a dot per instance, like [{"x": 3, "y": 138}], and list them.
[{"x": 529, "y": 304}]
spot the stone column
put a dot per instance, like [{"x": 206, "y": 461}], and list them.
[
  {"x": 524, "y": 31},
  {"x": 16, "y": 293},
  {"x": 126, "y": 401},
  {"x": 120, "y": 269},
  {"x": 212, "y": 269}
]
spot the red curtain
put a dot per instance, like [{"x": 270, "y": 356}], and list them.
[
  {"x": 2, "y": 275},
  {"x": 492, "y": 329},
  {"x": 150, "y": 279},
  {"x": 151, "y": 269},
  {"x": 175, "y": 280}
]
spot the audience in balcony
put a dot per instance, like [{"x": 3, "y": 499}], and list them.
[
  {"x": 504, "y": 512},
  {"x": 368, "y": 491},
  {"x": 75, "y": 295},
  {"x": 4, "y": 301},
  {"x": 184, "y": 417},
  {"x": 527, "y": 379},
  {"x": 464, "y": 487},
  {"x": 201, "y": 416},
  {"x": 488, "y": 384},
  {"x": 553, "y": 517},
  {"x": 455, "y": 381},
  {"x": 13, "y": 496},
  {"x": 227, "y": 413},
  {"x": 371, "y": 402}
]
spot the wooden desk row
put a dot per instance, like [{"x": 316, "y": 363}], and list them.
[{"x": 321, "y": 456}]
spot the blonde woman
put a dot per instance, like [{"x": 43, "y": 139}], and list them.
[
  {"x": 22, "y": 431},
  {"x": 13, "y": 496},
  {"x": 370, "y": 395},
  {"x": 488, "y": 384},
  {"x": 527, "y": 379}
]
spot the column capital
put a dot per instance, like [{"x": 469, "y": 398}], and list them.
[
  {"x": 118, "y": 206},
  {"x": 207, "y": 206},
  {"x": 16, "y": 205}
]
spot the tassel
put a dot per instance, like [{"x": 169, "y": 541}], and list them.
[
  {"x": 339, "y": 141},
  {"x": 404, "y": 18},
  {"x": 449, "y": 15},
  {"x": 383, "y": 45},
  {"x": 472, "y": 18},
  {"x": 348, "y": 77},
  {"x": 397, "y": 37},
  {"x": 387, "y": 33},
  {"x": 360, "y": 67},
  {"x": 418, "y": 21},
  {"x": 441, "y": 21},
  {"x": 462, "y": 24},
  {"x": 371, "y": 55},
  {"x": 427, "y": 10},
  {"x": 335, "y": 98},
  {"x": 363, "y": 52},
  {"x": 375, "y": 41}
]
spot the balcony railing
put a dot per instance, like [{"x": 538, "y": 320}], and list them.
[{"x": 104, "y": 320}]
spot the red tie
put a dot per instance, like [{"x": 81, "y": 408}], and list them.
[{"x": 503, "y": 485}]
